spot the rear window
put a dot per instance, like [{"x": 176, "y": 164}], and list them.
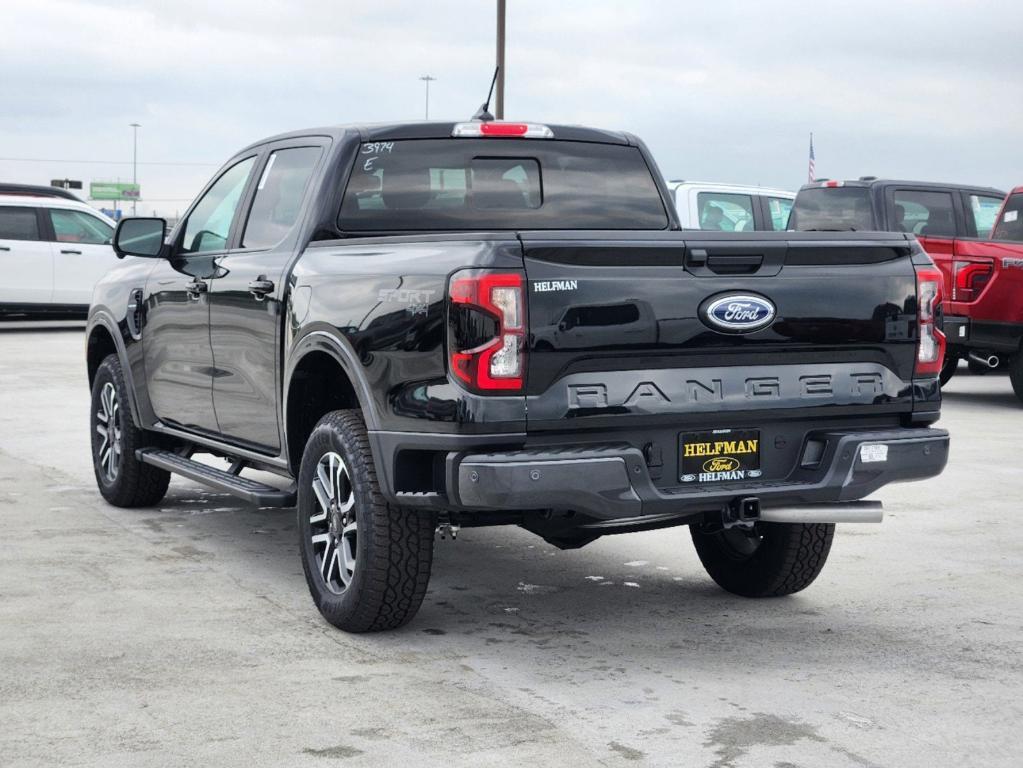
[
  {"x": 481, "y": 184},
  {"x": 984, "y": 210},
  {"x": 725, "y": 212},
  {"x": 1010, "y": 224},
  {"x": 18, "y": 224},
  {"x": 778, "y": 210},
  {"x": 825, "y": 209},
  {"x": 930, "y": 214}
]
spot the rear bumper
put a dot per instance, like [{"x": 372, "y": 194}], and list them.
[
  {"x": 612, "y": 482},
  {"x": 965, "y": 334}
]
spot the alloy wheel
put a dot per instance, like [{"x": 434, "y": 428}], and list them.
[
  {"x": 108, "y": 425},
  {"x": 333, "y": 527}
]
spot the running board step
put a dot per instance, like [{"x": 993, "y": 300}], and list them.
[{"x": 249, "y": 490}]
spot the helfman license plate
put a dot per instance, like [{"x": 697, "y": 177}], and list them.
[{"x": 718, "y": 456}]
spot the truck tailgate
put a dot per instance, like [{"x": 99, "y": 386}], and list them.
[{"x": 621, "y": 332}]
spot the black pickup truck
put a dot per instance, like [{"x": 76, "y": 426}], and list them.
[{"x": 434, "y": 325}]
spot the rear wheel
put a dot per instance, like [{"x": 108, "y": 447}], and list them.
[
  {"x": 768, "y": 560},
  {"x": 948, "y": 368},
  {"x": 367, "y": 563},
  {"x": 123, "y": 480},
  {"x": 1016, "y": 374}
]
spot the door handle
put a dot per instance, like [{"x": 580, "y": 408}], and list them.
[
  {"x": 196, "y": 288},
  {"x": 5, "y": 248},
  {"x": 261, "y": 287},
  {"x": 69, "y": 250}
]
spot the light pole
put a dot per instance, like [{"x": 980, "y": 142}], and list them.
[
  {"x": 499, "y": 106},
  {"x": 134, "y": 162},
  {"x": 427, "y": 79}
]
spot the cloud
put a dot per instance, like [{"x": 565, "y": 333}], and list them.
[{"x": 726, "y": 91}]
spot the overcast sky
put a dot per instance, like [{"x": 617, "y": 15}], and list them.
[{"x": 722, "y": 91}]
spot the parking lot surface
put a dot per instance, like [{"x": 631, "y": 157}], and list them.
[{"x": 185, "y": 635}]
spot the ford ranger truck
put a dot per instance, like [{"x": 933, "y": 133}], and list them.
[
  {"x": 950, "y": 221},
  {"x": 403, "y": 328}
]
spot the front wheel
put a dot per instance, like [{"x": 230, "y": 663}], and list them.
[
  {"x": 123, "y": 480},
  {"x": 367, "y": 563},
  {"x": 768, "y": 560}
]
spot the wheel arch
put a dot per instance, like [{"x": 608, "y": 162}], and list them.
[
  {"x": 102, "y": 340},
  {"x": 98, "y": 346},
  {"x": 322, "y": 376}
]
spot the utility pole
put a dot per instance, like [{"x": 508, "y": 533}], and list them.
[
  {"x": 134, "y": 162},
  {"x": 499, "y": 106},
  {"x": 427, "y": 79}
]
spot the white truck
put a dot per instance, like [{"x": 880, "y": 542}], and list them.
[{"x": 730, "y": 207}]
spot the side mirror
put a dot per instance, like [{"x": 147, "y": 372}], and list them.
[{"x": 140, "y": 237}]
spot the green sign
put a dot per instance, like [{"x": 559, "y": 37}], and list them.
[{"x": 114, "y": 190}]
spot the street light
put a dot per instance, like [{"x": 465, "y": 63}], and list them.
[
  {"x": 427, "y": 79},
  {"x": 134, "y": 162}
]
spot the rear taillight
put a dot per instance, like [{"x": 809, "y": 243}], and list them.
[
  {"x": 970, "y": 279},
  {"x": 930, "y": 345},
  {"x": 487, "y": 330}
]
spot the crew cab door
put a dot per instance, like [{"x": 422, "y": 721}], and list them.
[
  {"x": 176, "y": 338},
  {"x": 247, "y": 298},
  {"x": 81, "y": 253},
  {"x": 25, "y": 258},
  {"x": 935, "y": 216}
]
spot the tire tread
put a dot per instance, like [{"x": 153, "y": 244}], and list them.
[
  {"x": 393, "y": 581},
  {"x": 137, "y": 484},
  {"x": 789, "y": 559}
]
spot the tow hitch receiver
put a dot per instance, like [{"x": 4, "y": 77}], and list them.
[{"x": 743, "y": 512}]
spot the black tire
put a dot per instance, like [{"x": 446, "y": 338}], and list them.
[
  {"x": 123, "y": 480},
  {"x": 773, "y": 559},
  {"x": 1016, "y": 374},
  {"x": 948, "y": 369},
  {"x": 393, "y": 547}
]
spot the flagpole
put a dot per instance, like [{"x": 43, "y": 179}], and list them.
[{"x": 811, "y": 171}]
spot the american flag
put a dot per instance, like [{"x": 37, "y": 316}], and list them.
[{"x": 812, "y": 171}]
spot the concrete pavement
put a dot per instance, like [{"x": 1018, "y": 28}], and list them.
[{"x": 184, "y": 634}]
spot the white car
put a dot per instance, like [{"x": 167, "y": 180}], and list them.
[
  {"x": 730, "y": 207},
  {"x": 52, "y": 252}
]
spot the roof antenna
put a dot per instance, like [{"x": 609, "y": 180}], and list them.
[{"x": 483, "y": 113}]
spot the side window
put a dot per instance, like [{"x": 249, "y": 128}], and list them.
[
  {"x": 924, "y": 213},
  {"x": 78, "y": 227},
  {"x": 209, "y": 224},
  {"x": 725, "y": 212},
  {"x": 984, "y": 210},
  {"x": 778, "y": 209},
  {"x": 1010, "y": 225},
  {"x": 279, "y": 195},
  {"x": 18, "y": 224}
]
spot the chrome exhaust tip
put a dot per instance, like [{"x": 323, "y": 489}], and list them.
[
  {"x": 991, "y": 361},
  {"x": 840, "y": 512}
]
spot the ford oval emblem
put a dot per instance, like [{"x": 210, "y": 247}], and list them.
[{"x": 739, "y": 313}]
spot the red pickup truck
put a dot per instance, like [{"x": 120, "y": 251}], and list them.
[{"x": 973, "y": 234}]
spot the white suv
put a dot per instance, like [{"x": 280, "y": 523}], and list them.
[
  {"x": 730, "y": 207},
  {"x": 52, "y": 252}
]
